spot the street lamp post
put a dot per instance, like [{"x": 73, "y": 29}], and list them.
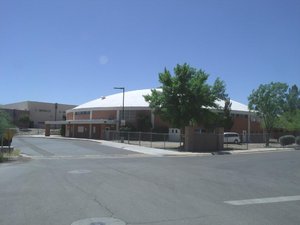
[
  {"x": 55, "y": 113},
  {"x": 123, "y": 110}
]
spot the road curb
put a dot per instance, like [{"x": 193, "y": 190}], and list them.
[{"x": 162, "y": 152}]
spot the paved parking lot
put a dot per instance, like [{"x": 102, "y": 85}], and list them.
[
  {"x": 61, "y": 186},
  {"x": 41, "y": 147}
]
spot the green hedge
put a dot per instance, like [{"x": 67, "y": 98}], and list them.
[{"x": 287, "y": 140}]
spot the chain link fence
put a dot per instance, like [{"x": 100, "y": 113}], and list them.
[
  {"x": 168, "y": 141},
  {"x": 37, "y": 131},
  {"x": 147, "y": 139},
  {"x": 257, "y": 141},
  {"x": 176, "y": 142}
]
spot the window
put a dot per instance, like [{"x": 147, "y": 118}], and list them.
[
  {"x": 44, "y": 110},
  {"x": 83, "y": 113},
  {"x": 129, "y": 115}
]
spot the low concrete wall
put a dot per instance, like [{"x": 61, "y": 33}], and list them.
[
  {"x": 6, "y": 149},
  {"x": 203, "y": 142}
]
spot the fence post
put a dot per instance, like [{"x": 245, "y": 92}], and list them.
[
  {"x": 151, "y": 140},
  {"x": 248, "y": 138},
  {"x": 164, "y": 141},
  {"x": 180, "y": 139},
  {"x": 139, "y": 138},
  {"x": 128, "y": 137}
]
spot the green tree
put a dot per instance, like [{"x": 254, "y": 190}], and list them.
[
  {"x": 5, "y": 123},
  {"x": 268, "y": 102},
  {"x": 144, "y": 122},
  {"x": 227, "y": 120},
  {"x": 24, "y": 121},
  {"x": 185, "y": 97},
  {"x": 292, "y": 99},
  {"x": 290, "y": 119}
]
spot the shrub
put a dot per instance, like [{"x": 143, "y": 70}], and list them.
[
  {"x": 287, "y": 140},
  {"x": 298, "y": 140},
  {"x": 6, "y": 142},
  {"x": 63, "y": 130}
]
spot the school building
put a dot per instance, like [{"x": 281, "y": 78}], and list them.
[{"x": 91, "y": 119}]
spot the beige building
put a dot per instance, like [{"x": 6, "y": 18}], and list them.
[{"x": 39, "y": 112}]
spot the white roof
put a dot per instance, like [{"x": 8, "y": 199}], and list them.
[
  {"x": 131, "y": 99},
  {"x": 135, "y": 99}
]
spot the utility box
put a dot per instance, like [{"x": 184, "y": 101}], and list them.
[{"x": 174, "y": 134}]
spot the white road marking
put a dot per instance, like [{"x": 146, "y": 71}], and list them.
[
  {"x": 79, "y": 171},
  {"x": 264, "y": 200}
]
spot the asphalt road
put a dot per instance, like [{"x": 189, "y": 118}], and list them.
[{"x": 67, "y": 181}]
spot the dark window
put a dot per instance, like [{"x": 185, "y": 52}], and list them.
[
  {"x": 44, "y": 110},
  {"x": 83, "y": 113}
]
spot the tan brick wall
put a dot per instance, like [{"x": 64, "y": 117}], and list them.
[{"x": 104, "y": 114}]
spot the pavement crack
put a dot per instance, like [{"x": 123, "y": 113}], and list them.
[
  {"x": 104, "y": 206},
  {"x": 90, "y": 196}
]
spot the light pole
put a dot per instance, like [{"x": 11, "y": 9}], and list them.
[
  {"x": 55, "y": 106},
  {"x": 123, "y": 114}
]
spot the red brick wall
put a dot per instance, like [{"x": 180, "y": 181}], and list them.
[
  {"x": 69, "y": 116},
  {"x": 158, "y": 122},
  {"x": 84, "y": 133},
  {"x": 241, "y": 123},
  {"x": 82, "y": 117},
  {"x": 104, "y": 114}
]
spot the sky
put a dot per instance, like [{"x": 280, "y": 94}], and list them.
[{"x": 74, "y": 51}]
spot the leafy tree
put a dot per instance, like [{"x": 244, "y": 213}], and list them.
[
  {"x": 5, "y": 123},
  {"x": 185, "y": 97},
  {"x": 290, "y": 119},
  {"x": 292, "y": 99},
  {"x": 144, "y": 122},
  {"x": 227, "y": 120},
  {"x": 24, "y": 121},
  {"x": 268, "y": 102},
  {"x": 222, "y": 118}
]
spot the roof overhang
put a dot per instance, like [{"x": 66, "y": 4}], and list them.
[{"x": 66, "y": 122}]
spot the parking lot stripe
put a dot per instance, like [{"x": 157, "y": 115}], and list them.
[{"x": 264, "y": 200}]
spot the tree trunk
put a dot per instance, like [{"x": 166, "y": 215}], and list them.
[{"x": 267, "y": 139}]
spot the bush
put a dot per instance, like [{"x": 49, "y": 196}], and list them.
[
  {"x": 287, "y": 140},
  {"x": 5, "y": 141},
  {"x": 298, "y": 140}
]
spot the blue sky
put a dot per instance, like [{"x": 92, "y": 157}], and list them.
[{"x": 73, "y": 51}]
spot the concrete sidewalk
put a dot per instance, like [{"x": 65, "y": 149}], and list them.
[{"x": 163, "y": 152}]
